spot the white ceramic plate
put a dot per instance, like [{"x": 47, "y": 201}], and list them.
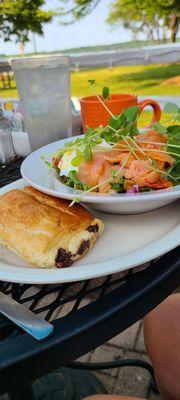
[
  {"x": 37, "y": 174},
  {"x": 127, "y": 241}
]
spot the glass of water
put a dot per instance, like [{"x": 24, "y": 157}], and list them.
[{"x": 44, "y": 88}]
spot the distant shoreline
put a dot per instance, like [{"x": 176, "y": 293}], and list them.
[{"x": 104, "y": 48}]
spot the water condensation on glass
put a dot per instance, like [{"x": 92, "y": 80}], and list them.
[{"x": 44, "y": 89}]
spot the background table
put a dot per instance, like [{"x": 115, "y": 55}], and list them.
[{"x": 85, "y": 314}]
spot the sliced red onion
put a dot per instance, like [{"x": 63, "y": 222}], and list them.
[{"x": 135, "y": 189}]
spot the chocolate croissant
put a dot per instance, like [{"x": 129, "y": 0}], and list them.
[{"x": 44, "y": 230}]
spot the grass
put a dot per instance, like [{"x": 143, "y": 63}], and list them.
[{"x": 143, "y": 80}]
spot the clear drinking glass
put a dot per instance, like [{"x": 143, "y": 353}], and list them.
[{"x": 44, "y": 89}]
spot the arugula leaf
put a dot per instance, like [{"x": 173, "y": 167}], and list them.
[
  {"x": 118, "y": 187},
  {"x": 174, "y": 171},
  {"x": 106, "y": 92},
  {"x": 174, "y": 130},
  {"x": 171, "y": 108},
  {"x": 117, "y": 182},
  {"x": 174, "y": 140}
]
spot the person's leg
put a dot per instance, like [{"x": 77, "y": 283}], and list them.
[
  {"x": 111, "y": 397},
  {"x": 162, "y": 339}
]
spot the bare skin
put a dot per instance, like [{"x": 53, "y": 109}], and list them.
[{"x": 162, "y": 338}]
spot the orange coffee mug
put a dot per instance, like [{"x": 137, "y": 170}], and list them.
[{"x": 95, "y": 114}]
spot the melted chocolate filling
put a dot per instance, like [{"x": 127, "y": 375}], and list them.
[
  {"x": 93, "y": 228},
  {"x": 83, "y": 246},
  {"x": 63, "y": 258}
]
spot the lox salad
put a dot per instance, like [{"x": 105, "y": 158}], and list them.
[{"x": 119, "y": 159}]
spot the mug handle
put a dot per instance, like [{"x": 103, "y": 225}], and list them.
[{"x": 156, "y": 109}]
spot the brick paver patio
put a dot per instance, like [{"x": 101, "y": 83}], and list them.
[{"x": 129, "y": 381}]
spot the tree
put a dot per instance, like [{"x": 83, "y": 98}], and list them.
[
  {"x": 75, "y": 10},
  {"x": 20, "y": 17},
  {"x": 153, "y": 17}
]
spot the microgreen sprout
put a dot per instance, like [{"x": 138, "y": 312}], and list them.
[
  {"x": 105, "y": 89},
  {"x": 105, "y": 95},
  {"x": 106, "y": 92}
]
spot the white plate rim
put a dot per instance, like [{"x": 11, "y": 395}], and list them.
[
  {"x": 42, "y": 276},
  {"x": 121, "y": 198}
]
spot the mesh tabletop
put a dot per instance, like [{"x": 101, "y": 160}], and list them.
[{"x": 85, "y": 314}]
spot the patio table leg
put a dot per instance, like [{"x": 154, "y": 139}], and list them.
[{"x": 24, "y": 392}]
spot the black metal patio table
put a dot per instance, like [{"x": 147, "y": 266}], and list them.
[{"x": 84, "y": 314}]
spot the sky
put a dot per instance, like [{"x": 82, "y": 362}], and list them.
[{"x": 92, "y": 30}]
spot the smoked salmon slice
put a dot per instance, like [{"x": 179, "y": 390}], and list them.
[
  {"x": 137, "y": 170},
  {"x": 90, "y": 171},
  {"x": 140, "y": 174},
  {"x": 151, "y": 140}
]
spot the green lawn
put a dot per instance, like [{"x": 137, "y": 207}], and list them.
[
  {"x": 129, "y": 79},
  {"x": 144, "y": 80}
]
